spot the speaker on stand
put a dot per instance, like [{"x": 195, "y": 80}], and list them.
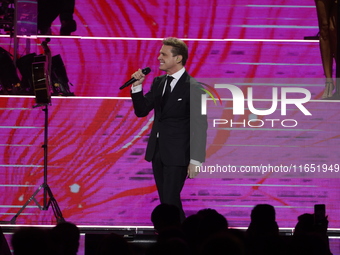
[{"x": 42, "y": 89}]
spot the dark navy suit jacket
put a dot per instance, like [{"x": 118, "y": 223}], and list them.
[{"x": 179, "y": 126}]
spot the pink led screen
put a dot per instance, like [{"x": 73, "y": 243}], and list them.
[{"x": 96, "y": 144}]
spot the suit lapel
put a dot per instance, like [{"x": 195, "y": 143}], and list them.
[{"x": 159, "y": 93}]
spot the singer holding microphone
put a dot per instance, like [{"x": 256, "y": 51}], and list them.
[{"x": 178, "y": 137}]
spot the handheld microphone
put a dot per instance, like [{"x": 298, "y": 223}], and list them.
[{"x": 145, "y": 71}]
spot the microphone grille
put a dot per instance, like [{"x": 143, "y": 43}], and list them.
[{"x": 146, "y": 70}]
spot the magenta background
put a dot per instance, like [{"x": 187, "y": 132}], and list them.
[{"x": 98, "y": 144}]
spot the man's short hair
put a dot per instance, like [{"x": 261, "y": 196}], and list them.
[{"x": 178, "y": 48}]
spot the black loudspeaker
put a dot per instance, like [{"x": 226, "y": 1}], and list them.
[{"x": 41, "y": 80}]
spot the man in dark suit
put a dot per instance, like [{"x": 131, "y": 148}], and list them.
[{"x": 178, "y": 137}]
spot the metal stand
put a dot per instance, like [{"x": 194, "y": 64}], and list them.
[{"x": 47, "y": 190}]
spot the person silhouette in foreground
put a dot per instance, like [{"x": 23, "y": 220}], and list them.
[
  {"x": 262, "y": 235},
  {"x": 310, "y": 238},
  {"x": 165, "y": 216},
  {"x": 201, "y": 227},
  {"x": 65, "y": 238},
  {"x": 170, "y": 237}
]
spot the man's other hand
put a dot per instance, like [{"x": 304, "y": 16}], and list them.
[{"x": 193, "y": 171}]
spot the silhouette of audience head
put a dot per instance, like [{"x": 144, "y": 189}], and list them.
[
  {"x": 165, "y": 216},
  {"x": 65, "y": 238},
  {"x": 208, "y": 232},
  {"x": 305, "y": 224},
  {"x": 211, "y": 222},
  {"x": 263, "y": 213},
  {"x": 172, "y": 238},
  {"x": 201, "y": 226},
  {"x": 263, "y": 221},
  {"x": 262, "y": 235}
]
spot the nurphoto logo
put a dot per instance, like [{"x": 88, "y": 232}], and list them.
[{"x": 239, "y": 101}]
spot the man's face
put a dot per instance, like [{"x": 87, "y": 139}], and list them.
[{"x": 168, "y": 62}]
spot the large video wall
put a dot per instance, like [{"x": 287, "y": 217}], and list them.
[{"x": 96, "y": 145}]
